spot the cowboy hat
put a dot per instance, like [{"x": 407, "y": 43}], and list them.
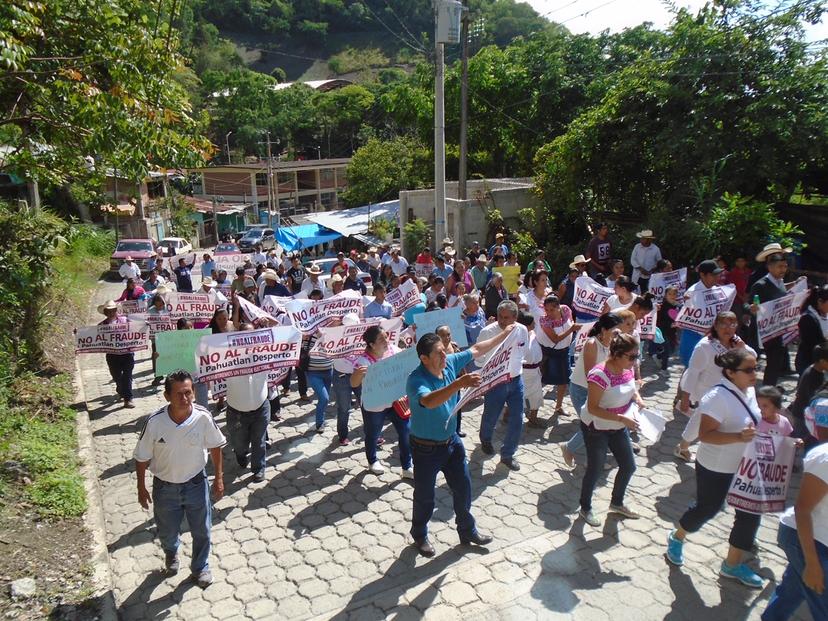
[
  {"x": 578, "y": 259},
  {"x": 111, "y": 305},
  {"x": 449, "y": 251},
  {"x": 448, "y": 240},
  {"x": 499, "y": 236},
  {"x": 770, "y": 249},
  {"x": 372, "y": 249},
  {"x": 645, "y": 234},
  {"x": 270, "y": 275},
  {"x": 314, "y": 269},
  {"x": 208, "y": 282},
  {"x": 163, "y": 289},
  {"x": 336, "y": 278},
  {"x": 483, "y": 258}
]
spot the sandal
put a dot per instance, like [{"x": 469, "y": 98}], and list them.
[
  {"x": 683, "y": 454},
  {"x": 536, "y": 424}
]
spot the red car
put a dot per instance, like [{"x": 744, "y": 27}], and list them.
[{"x": 141, "y": 250}]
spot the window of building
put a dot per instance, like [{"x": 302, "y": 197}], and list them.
[
  {"x": 261, "y": 179},
  {"x": 155, "y": 189}
]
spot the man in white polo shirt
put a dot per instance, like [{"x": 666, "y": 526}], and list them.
[{"x": 174, "y": 445}]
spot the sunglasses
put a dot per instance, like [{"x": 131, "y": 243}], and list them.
[{"x": 748, "y": 370}]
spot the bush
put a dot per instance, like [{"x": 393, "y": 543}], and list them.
[
  {"x": 87, "y": 240},
  {"x": 417, "y": 236}
]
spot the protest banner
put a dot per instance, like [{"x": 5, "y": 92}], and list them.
[
  {"x": 192, "y": 306},
  {"x": 661, "y": 280},
  {"x": 408, "y": 337},
  {"x": 274, "y": 304},
  {"x": 131, "y": 307},
  {"x": 253, "y": 312},
  {"x": 157, "y": 322},
  {"x": 651, "y": 423},
  {"x": 423, "y": 270},
  {"x": 511, "y": 277},
  {"x": 780, "y": 317},
  {"x": 581, "y": 337},
  {"x": 700, "y": 309},
  {"x": 225, "y": 288},
  {"x": 590, "y": 296},
  {"x": 176, "y": 350},
  {"x": 760, "y": 484},
  {"x": 403, "y": 297},
  {"x": 451, "y": 317},
  {"x": 230, "y": 262},
  {"x": 112, "y": 338},
  {"x": 496, "y": 371},
  {"x": 647, "y": 325},
  {"x": 231, "y": 354},
  {"x": 188, "y": 258},
  {"x": 218, "y": 388},
  {"x": 310, "y": 315},
  {"x": 342, "y": 341},
  {"x": 385, "y": 381}
]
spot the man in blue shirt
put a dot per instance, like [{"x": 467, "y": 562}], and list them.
[
  {"x": 183, "y": 276},
  {"x": 441, "y": 269},
  {"x": 504, "y": 249},
  {"x": 432, "y": 390},
  {"x": 379, "y": 307},
  {"x": 208, "y": 267}
]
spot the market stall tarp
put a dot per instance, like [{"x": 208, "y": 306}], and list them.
[
  {"x": 349, "y": 222},
  {"x": 304, "y": 236}
]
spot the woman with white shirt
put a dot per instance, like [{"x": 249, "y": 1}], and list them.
[
  {"x": 702, "y": 374},
  {"x": 606, "y": 422},
  {"x": 535, "y": 296},
  {"x": 624, "y": 295},
  {"x": 554, "y": 334},
  {"x": 729, "y": 416}
]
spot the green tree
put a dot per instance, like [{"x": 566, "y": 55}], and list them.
[{"x": 380, "y": 169}]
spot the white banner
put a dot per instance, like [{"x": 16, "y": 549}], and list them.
[
  {"x": 112, "y": 338},
  {"x": 496, "y": 371},
  {"x": 760, "y": 485},
  {"x": 581, "y": 337},
  {"x": 131, "y": 307},
  {"x": 232, "y": 354},
  {"x": 423, "y": 270},
  {"x": 218, "y": 388},
  {"x": 781, "y": 316},
  {"x": 229, "y": 263},
  {"x": 408, "y": 338},
  {"x": 700, "y": 310},
  {"x": 660, "y": 281},
  {"x": 193, "y": 306},
  {"x": 403, "y": 297},
  {"x": 647, "y": 325},
  {"x": 253, "y": 312},
  {"x": 274, "y": 304},
  {"x": 590, "y": 296},
  {"x": 342, "y": 341},
  {"x": 156, "y": 322},
  {"x": 310, "y": 315}
]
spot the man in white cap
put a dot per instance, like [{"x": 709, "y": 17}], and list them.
[
  {"x": 498, "y": 245},
  {"x": 313, "y": 282},
  {"x": 644, "y": 257},
  {"x": 120, "y": 365},
  {"x": 480, "y": 273},
  {"x": 129, "y": 269}
]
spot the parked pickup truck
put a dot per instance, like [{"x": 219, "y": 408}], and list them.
[{"x": 141, "y": 250}]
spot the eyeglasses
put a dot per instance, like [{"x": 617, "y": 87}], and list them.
[{"x": 748, "y": 370}]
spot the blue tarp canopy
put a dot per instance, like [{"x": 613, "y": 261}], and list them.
[{"x": 304, "y": 236}]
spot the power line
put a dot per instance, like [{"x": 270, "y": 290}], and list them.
[
  {"x": 560, "y": 8},
  {"x": 401, "y": 22},
  {"x": 416, "y": 47},
  {"x": 585, "y": 13}
]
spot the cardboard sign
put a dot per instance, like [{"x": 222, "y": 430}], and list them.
[
  {"x": 218, "y": 388},
  {"x": 112, "y": 338},
  {"x": 232, "y": 354},
  {"x": 760, "y": 484},
  {"x": 157, "y": 322},
  {"x": 403, "y": 297},
  {"x": 582, "y": 336},
  {"x": 408, "y": 338},
  {"x": 781, "y": 316},
  {"x": 496, "y": 371},
  {"x": 511, "y": 277},
  {"x": 451, "y": 317},
  {"x": 176, "y": 350},
  {"x": 192, "y": 306},
  {"x": 310, "y": 315},
  {"x": 225, "y": 288},
  {"x": 700, "y": 309},
  {"x": 661, "y": 281},
  {"x": 385, "y": 381},
  {"x": 647, "y": 325},
  {"x": 423, "y": 270},
  {"x": 343, "y": 341},
  {"x": 590, "y": 296}
]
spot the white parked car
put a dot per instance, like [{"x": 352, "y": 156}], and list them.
[{"x": 172, "y": 246}]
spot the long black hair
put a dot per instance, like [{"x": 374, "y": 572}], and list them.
[
  {"x": 817, "y": 294},
  {"x": 607, "y": 321}
]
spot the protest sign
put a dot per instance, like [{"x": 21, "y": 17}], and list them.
[
  {"x": 157, "y": 322},
  {"x": 225, "y": 288},
  {"x": 131, "y": 307},
  {"x": 231, "y": 354},
  {"x": 403, "y": 297},
  {"x": 408, "y": 337},
  {"x": 760, "y": 484},
  {"x": 647, "y": 325},
  {"x": 700, "y": 309},
  {"x": 176, "y": 350},
  {"x": 342, "y": 341},
  {"x": 781, "y": 316},
  {"x": 590, "y": 296},
  {"x": 511, "y": 277},
  {"x": 230, "y": 262},
  {"x": 581, "y": 337},
  {"x": 253, "y": 312},
  {"x": 423, "y": 270},
  {"x": 385, "y": 381},
  {"x": 188, "y": 258},
  {"x": 112, "y": 338},
  {"x": 274, "y": 304},
  {"x": 651, "y": 423},
  {"x": 218, "y": 388},
  {"x": 496, "y": 371},
  {"x": 451, "y": 317},
  {"x": 661, "y": 280},
  {"x": 192, "y": 306},
  {"x": 310, "y": 315}
]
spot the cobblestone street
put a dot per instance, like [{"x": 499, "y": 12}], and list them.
[{"x": 322, "y": 538}]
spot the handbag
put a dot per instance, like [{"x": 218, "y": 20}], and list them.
[{"x": 402, "y": 408}]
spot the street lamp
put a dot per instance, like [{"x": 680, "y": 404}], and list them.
[
  {"x": 318, "y": 152},
  {"x": 227, "y": 144}
]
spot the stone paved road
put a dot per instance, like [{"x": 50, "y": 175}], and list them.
[{"x": 324, "y": 539}]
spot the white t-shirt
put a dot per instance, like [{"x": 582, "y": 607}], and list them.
[
  {"x": 644, "y": 257},
  {"x": 130, "y": 270},
  {"x": 579, "y": 373},
  {"x": 516, "y": 363},
  {"x": 615, "y": 303},
  {"x": 816, "y": 464},
  {"x": 258, "y": 258},
  {"x": 176, "y": 453},
  {"x": 702, "y": 373},
  {"x": 247, "y": 392},
  {"x": 535, "y": 304},
  {"x": 308, "y": 285},
  {"x": 619, "y": 395},
  {"x": 532, "y": 354},
  {"x": 399, "y": 266},
  {"x": 727, "y": 408}
]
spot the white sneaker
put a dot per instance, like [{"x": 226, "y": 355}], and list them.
[
  {"x": 376, "y": 467},
  {"x": 407, "y": 473}
]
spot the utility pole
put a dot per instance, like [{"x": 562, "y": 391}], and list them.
[
  {"x": 227, "y": 145},
  {"x": 462, "y": 172},
  {"x": 269, "y": 184},
  {"x": 439, "y": 145},
  {"x": 117, "y": 224}
]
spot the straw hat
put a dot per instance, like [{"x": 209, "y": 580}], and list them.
[
  {"x": 449, "y": 251},
  {"x": 350, "y": 319},
  {"x": 499, "y": 236},
  {"x": 269, "y": 274},
  {"x": 578, "y": 259},
  {"x": 336, "y": 278},
  {"x": 483, "y": 258},
  {"x": 372, "y": 249},
  {"x": 645, "y": 234},
  {"x": 208, "y": 282},
  {"x": 111, "y": 305},
  {"x": 770, "y": 249},
  {"x": 163, "y": 289},
  {"x": 314, "y": 269},
  {"x": 448, "y": 240}
]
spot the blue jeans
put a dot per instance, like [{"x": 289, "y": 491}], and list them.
[
  {"x": 687, "y": 343},
  {"x": 372, "y": 422},
  {"x": 201, "y": 397},
  {"x": 511, "y": 394},
  {"x": 578, "y": 395},
  {"x": 320, "y": 381},
  {"x": 791, "y": 591},
  {"x": 170, "y": 503},
  {"x": 450, "y": 459},
  {"x": 342, "y": 392},
  {"x": 248, "y": 430},
  {"x": 597, "y": 443}
]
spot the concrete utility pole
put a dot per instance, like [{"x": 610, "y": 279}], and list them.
[
  {"x": 227, "y": 145},
  {"x": 462, "y": 172},
  {"x": 269, "y": 184},
  {"x": 440, "y": 216}
]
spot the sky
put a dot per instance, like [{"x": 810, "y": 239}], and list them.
[{"x": 594, "y": 16}]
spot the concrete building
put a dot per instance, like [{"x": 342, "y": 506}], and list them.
[
  {"x": 466, "y": 220},
  {"x": 136, "y": 208}
]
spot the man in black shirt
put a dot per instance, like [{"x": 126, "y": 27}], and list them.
[
  {"x": 810, "y": 383},
  {"x": 297, "y": 273},
  {"x": 183, "y": 276},
  {"x": 353, "y": 282}
]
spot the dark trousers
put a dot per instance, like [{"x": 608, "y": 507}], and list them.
[
  {"x": 597, "y": 443},
  {"x": 777, "y": 361},
  {"x": 301, "y": 379},
  {"x": 372, "y": 423},
  {"x": 450, "y": 459},
  {"x": 120, "y": 368},
  {"x": 643, "y": 285},
  {"x": 664, "y": 353},
  {"x": 711, "y": 492},
  {"x": 248, "y": 430}
]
